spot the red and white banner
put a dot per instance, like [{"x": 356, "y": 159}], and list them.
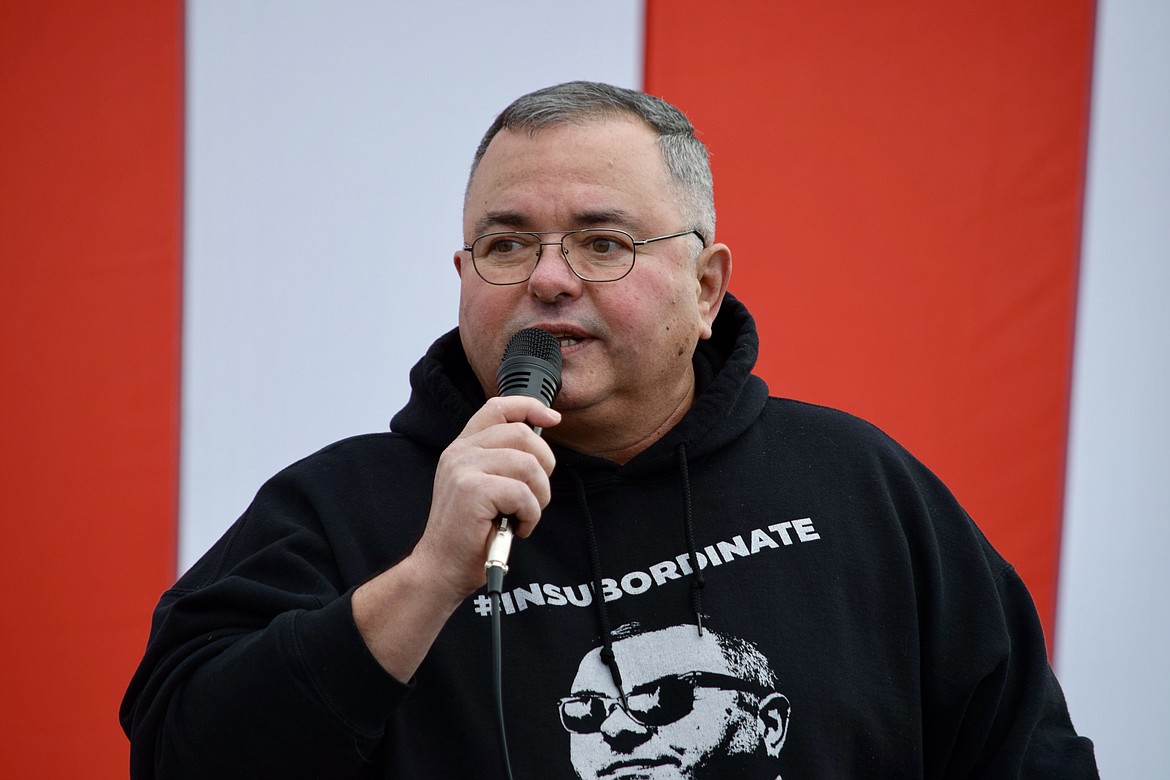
[{"x": 227, "y": 229}]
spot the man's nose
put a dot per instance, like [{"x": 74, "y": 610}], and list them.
[
  {"x": 622, "y": 733},
  {"x": 553, "y": 277}
]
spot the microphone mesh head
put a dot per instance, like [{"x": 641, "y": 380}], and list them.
[{"x": 535, "y": 342}]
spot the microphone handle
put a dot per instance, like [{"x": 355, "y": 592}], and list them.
[{"x": 500, "y": 545}]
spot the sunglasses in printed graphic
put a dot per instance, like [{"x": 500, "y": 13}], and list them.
[{"x": 651, "y": 704}]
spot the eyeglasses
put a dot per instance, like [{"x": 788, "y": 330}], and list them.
[
  {"x": 593, "y": 254},
  {"x": 651, "y": 704}
]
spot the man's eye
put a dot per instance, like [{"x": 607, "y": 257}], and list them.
[
  {"x": 503, "y": 246},
  {"x": 645, "y": 702},
  {"x": 603, "y": 246}
]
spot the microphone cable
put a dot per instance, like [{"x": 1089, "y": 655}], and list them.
[
  {"x": 495, "y": 582},
  {"x": 531, "y": 366}
]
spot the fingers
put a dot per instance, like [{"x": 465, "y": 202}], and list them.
[
  {"x": 497, "y": 466},
  {"x": 499, "y": 440},
  {"x": 482, "y": 481},
  {"x": 500, "y": 457},
  {"x": 512, "y": 409}
]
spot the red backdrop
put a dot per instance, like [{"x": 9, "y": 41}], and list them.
[
  {"x": 90, "y": 214},
  {"x": 901, "y": 186}
]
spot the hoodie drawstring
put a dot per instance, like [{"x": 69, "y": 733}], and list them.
[
  {"x": 697, "y": 581},
  {"x": 696, "y": 574},
  {"x": 607, "y": 656}
]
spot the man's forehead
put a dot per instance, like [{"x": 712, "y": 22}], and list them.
[
  {"x": 565, "y": 176},
  {"x": 581, "y": 127},
  {"x": 604, "y": 141},
  {"x": 647, "y": 657}
]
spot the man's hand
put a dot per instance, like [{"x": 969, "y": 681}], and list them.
[{"x": 497, "y": 465}]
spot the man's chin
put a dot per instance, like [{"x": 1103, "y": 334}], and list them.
[{"x": 643, "y": 769}]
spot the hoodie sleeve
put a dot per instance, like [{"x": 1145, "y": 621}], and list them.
[
  {"x": 1029, "y": 732},
  {"x": 992, "y": 707},
  {"x": 254, "y": 666}
]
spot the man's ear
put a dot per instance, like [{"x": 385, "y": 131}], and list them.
[
  {"x": 459, "y": 262},
  {"x": 774, "y": 711},
  {"x": 713, "y": 272}
]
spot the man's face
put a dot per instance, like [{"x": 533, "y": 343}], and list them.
[
  {"x": 705, "y": 732},
  {"x": 627, "y": 345}
]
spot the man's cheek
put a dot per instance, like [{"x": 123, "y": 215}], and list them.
[{"x": 588, "y": 753}]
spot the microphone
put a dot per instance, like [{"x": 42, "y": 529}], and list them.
[{"x": 531, "y": 366}]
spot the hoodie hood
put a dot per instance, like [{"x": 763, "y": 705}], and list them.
[{"x": 445, "y": 394}]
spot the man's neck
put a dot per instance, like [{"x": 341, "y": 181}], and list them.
[{"x": 619, "y": 440}]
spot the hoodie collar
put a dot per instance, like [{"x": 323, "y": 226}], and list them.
[{"x": 445, "y": 393}]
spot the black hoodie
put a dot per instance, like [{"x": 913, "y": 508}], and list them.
[{"x": 861, "y": 624}]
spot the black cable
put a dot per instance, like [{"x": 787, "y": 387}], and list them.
[
  {"x": 495, "y": 577},
  {"x": 531, "y": 367}
]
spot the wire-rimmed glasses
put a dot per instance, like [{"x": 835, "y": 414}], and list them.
[
  {"x": 653, "y": 704},
  {"x": 593, "y": 254}
]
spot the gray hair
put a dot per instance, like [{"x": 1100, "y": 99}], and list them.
[
  {"x": 582, "y": 101},
  {"x": 744, "y": 659}
]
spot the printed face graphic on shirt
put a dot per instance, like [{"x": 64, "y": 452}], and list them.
[{"x": 694, "y": 707}]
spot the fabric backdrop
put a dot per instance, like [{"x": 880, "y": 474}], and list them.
[{"x": 226, "y": 233}]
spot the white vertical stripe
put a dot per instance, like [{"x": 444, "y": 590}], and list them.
[
  {"x": 328, "y": 147},
  {"x": 1112, "y": 629}
]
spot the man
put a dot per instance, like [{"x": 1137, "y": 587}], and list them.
[
  {"x": 339, "y": 629},
  {"x": 697, "y": 706}
]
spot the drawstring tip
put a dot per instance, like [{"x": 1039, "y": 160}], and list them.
[
  {"x": 697, "y": 601},
  {"x": 609, "y": 659}
]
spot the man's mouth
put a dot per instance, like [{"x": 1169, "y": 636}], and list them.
[
  {"x": 630, "y": 767},
  {"x": 567, "y": 336}
]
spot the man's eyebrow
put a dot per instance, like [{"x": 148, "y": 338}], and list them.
[
  {"x": 500, "y": 220},
  {"x": 513, "y": 220},
  {"x": 606, "y": 218}
]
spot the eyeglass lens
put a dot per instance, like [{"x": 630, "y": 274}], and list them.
[
  {"x": 656, "y": 704},
  {"x": 594, "y": 255}
]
